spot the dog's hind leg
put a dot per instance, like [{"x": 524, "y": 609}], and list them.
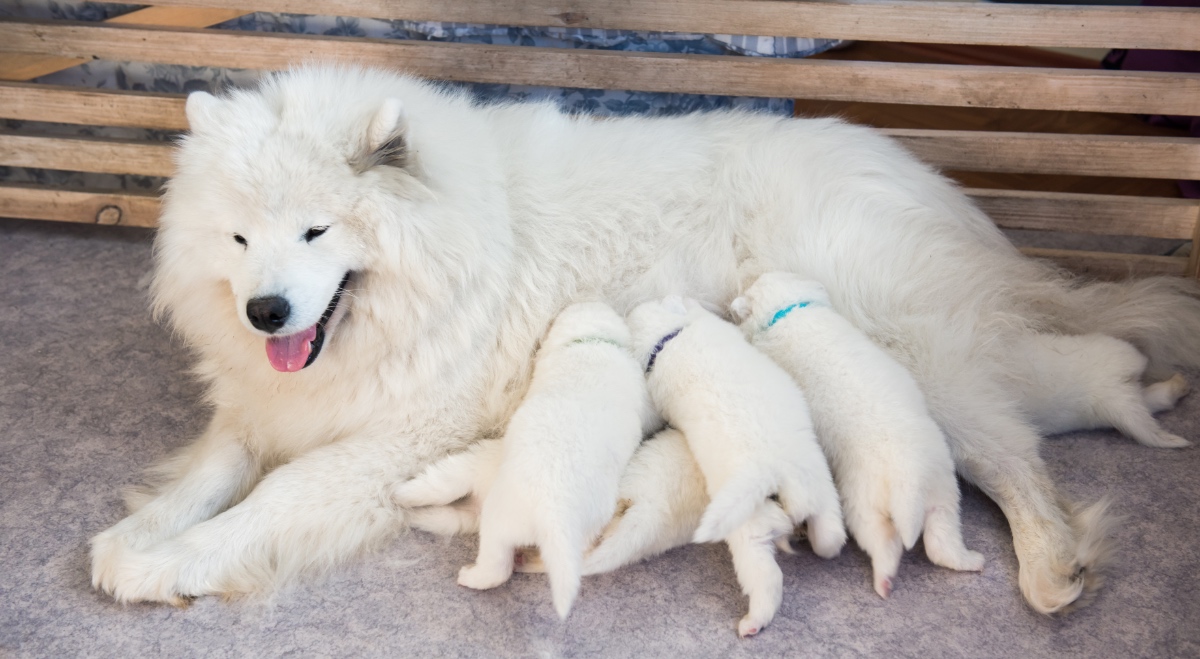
[
  {"x": 207, "y": 476},
  {"x": 998, "y": 451},
  {"x": 752, "y": 546},
  {"x": 1129, "y": 413}
]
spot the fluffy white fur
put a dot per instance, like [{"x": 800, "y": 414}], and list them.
[
  {"x": 563, "y": 454},
  {"x": 1095, "y": 381},
  {"x": 889, "y": 458},
  {"x": 468, "y": 227},
  {"x": 747, "y": 425},
  {"x": 662, "y": 497}
]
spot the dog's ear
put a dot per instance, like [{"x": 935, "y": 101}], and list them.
[
  {"x": 740, "y": 308},
  {"x": 201, "y": 110},
  {"x": 387, "y": 139}
]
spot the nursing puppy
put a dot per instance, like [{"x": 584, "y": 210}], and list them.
[
  {"x": 891, "y": 461},
  {"x": 747, "y": 425},
  {"x": 1094, "y": 381},
  {"x": 562, "y": 455},
  {"x": 662, "y": 497}
]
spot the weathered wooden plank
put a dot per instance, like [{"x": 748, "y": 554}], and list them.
[
  {"x": 23, "y": 66},
  {"x": 1155, "y": 217},
  {"x": 94, "y": 107},
  {"x": 1049, "y": 153},
  {"x": 87, "y": 154},
  {"x": 87, "y": 206},
  {"x": 883, "y": 82},
  {"x": 981, "y": 151},
  {"x": 1110, "y": 265},
  {"x": 925, "y": 22}
]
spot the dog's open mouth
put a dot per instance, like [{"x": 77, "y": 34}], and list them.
[{"x": 295, "y": 351}]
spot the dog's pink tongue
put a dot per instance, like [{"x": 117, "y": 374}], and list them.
[{"x": 289, "y": 353}]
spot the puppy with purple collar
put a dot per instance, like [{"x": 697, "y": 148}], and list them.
[
  {"x": 747, "y": 425},
  {"x": 891, "y": 461}
]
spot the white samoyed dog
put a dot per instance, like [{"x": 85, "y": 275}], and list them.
[
  {"x": 748, "y": 428},
  {"x": 566, "y": 446},
  {"x": 889, "y": 458},
  {"x": 405, "y": 248}
]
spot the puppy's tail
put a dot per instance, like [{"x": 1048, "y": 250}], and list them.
[
  {"x": 1159, "y": 315},
  {"x": 562, "y": 554},
  {"x": 734, "y": 504}
]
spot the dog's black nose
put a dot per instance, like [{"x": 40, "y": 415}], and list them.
[{"x": 268, "y": 313}]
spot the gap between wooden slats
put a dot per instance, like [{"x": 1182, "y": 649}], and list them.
[
  {"x": 1111, "y": 265},
  {"x": 884, "y": 82},
  {"x": 924, "y": 22}
]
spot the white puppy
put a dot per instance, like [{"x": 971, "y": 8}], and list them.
[
  {"x": 662, "y": 498},
  {"x": 1094, "y": 381},
  {"x": 562, "y": 455},
  {"x": 891, "y": 460},
  {"x": 747, "y": 425}
]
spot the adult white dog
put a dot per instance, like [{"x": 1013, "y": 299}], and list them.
[{"x": 405, "y": 248}]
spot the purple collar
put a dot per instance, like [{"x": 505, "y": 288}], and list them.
[{"x": 658, "y": 348}]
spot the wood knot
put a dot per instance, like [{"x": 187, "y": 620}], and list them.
[
  {"x": 109, "y": 215},
  {"x": 573, "y": 18}
]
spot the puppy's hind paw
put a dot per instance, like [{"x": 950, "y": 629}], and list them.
[
  {"x": 883, "y": 585},
  {"x": 1165, "y": 439},
  {"x": 749, "y": 626},
  {"x": 477, "y": 578}
]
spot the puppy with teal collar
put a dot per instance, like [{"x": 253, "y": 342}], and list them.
[
  {"x": 552, "y": 480},
  {"x": 890, "y": 459},
  {"x": 747, "y": 425}
]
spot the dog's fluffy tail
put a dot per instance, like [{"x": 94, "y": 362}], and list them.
[
  {"x": 1159, "y": 315},
  {"x": 1093, "y": 526},
  {"x": 734, "y": 504},
  {"x": 561, "y": 549}
]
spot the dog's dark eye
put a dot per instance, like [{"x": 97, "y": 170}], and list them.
[
  {"x": 314, "y": 232},
  {"x": 237, "y": 237}
]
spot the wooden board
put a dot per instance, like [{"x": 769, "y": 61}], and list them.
[
  {"x": 931, "y": 22},
  {"x": 38, "y": 203},
  {"x": 1154, "y": 217},
  {"x": 87, "y": 154},
  {"x": 1047, "y": 153},
  {"x": 23, "y": 66},
  {"x": 93, "y": 107},
  {"x": 982, "y": 86},
  {"x": 1109, "y": 265}
]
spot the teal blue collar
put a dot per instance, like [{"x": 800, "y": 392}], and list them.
[{"x": 783, "y": 313}]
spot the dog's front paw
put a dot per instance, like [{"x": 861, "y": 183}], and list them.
[{"x": 137, "y": 576}]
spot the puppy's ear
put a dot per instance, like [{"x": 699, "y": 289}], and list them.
[
  {"x": 387, "y": 139},
  {"x": 740, "y": 308},
  {"x": 202, "y": 109}
]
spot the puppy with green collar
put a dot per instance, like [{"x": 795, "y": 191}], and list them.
[{"x": 552, "y": 480}]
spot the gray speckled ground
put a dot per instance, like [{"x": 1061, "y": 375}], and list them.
[{"x": 91, "y": 391}]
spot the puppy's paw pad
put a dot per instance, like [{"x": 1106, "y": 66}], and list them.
[{"x": 747, "y": 628}]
